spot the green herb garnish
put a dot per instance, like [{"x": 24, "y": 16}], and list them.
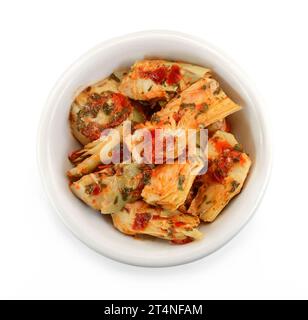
[
  {"x": 102, "y": 185},
  {"x": 116, "y": 200},
  {"x": 89, "y": 188},
  {"x": 187, "y": 105},
  {"x": 147, "y": 178},
  {"x": 238, "y": 147},
  {"x": 107, "y": 109},
  {"x": 125, "y": 192},
  {"x": 234, "y": 185},
  {"x": 181, "y": 182},
  {"x": 120, "y": 114},
  {"x": 114, "y": 77}
]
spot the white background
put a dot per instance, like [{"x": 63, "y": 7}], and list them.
[{"x": 40, "y": 258}]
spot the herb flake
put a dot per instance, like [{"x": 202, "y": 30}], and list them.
[
  {"x": 146, "y": 178},
  {"x": 187, "y": 105},
  {"x": 181, "y": 180},
  {"x": 234, "y": 186},
  {"x": 116, "y": 200},
  {"x": 107, "y": 109},
  {"x": 114, "y": 77},
  {"x": 238, "y": 147},
  {"x": 125, "y": 192}
]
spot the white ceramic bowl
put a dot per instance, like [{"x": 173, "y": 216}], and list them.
[{"x": 56, "y": 141}]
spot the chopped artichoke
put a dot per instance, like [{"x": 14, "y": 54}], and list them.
[
  {"x": 227, "y": 171},
  {"x": 98, "y": 107},
  {"x": 200, "y": 105},
  {"x": 87, "y": 159},
  {"x": 170, "y": 183},
  {"x": 140, "y": 218},
  {"x": 109, "y": 189},
  {"x": 159, "y": 79}
]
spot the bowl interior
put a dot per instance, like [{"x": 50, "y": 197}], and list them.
[{"x": 56, "y": 142}]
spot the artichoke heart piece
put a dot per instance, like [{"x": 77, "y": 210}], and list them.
[
  {"x": 87, "y": 159},
  {"x": 159, "y": 79},
  {"x": 109, "y": 189},
  {"x": 170, "y": 183},
  {"x": 141, "y": 218},
  {"x": 98, "y": 107},
  {"x": 227, "y": 171},
  {"x": 198, "y": 106}
]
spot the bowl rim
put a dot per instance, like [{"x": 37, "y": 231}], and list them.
[{"x": 236, "y": 71}]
